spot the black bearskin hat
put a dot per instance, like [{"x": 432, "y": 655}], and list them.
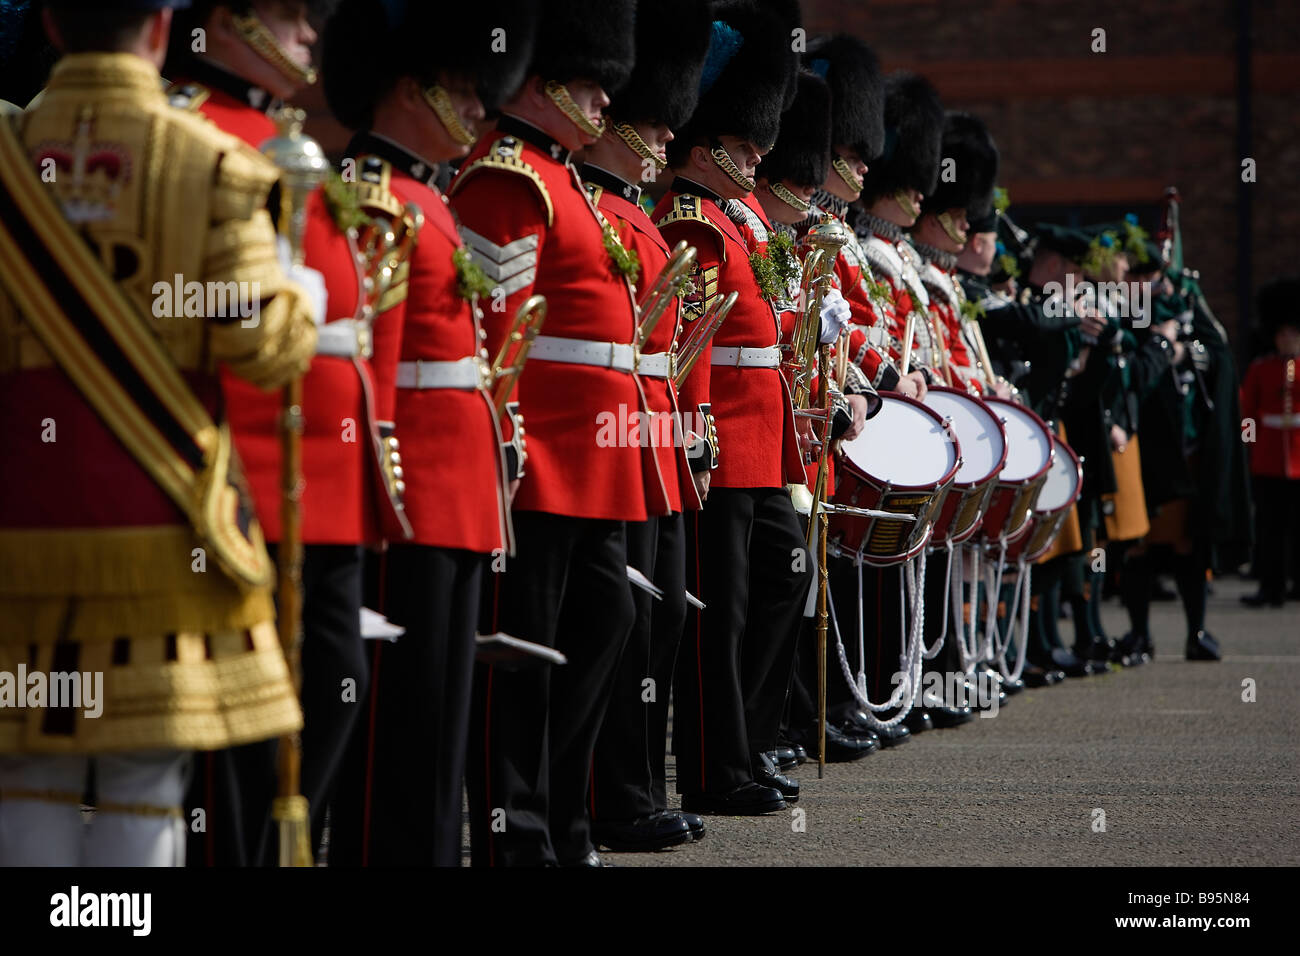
[
  {"x": 590, "y": 39},
  {"x": 966, "y": 141},
  {"x": 857, "y": 87},
  {"x": 913, "y": 133},
  {"x": 1278, "y": 304},
  {"x": 791, "y": 19},
  {"x": 672, "y": 37},
  {"x": 802, "y": 153},
  {"x": 421, "y": 42},
  {"x": 743, "y": 84}
]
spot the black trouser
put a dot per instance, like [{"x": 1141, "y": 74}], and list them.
[
  {"x": 405, "y": 793},
  {"x": 236, "y": 786},
  {"x": 628, "y": 774},
  {"x": 532, "y": 731},
  {"x": 1277, "y": 533},
  {"x": 747, "y": 562}
]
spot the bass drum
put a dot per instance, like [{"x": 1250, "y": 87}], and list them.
[
  {"x": 1029, "y": 455},
  {"x": 983, "y": 443},
  {"x": 1059, "y": 493},
  {"x": 903, "y": 462}
]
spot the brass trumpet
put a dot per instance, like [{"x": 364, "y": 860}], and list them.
[
  {"x": 670, "y": 281},
  {"x": 690, "y": 350},
  {"x": 527, "y": 324}
]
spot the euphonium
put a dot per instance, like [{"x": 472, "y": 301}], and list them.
[
  {"x": 670, "y": 281},
  {"x": 528, "y": 322}
]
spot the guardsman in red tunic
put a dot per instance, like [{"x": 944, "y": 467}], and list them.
[
  {"x": 416, "y": 108},
  {"x": 629, "y": 799},
  {"x": 892, "y": 190},
  {"x": 253, "y": 56},
  {"x": 530, "y": 226},
  {"x": 128, "y": 549},
  {"x": 746, "y": 559},
  {"x": 1270, "y": 397},
  {"x": 940, "y": 234}
]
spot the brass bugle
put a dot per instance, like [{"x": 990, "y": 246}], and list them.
[
  {"x": 527, "y": 323},
  {"x": 669, "y": 282},
  {"x": 824, "y": 240},
  {"x": 690, "y": 350}
]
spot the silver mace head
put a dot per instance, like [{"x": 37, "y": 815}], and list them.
[
  {"x": 303, "y": 166},
  {"x": 829, "y": 234}
]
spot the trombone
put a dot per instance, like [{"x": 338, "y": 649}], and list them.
[
  {"x": 501, "y": 378},
  {"x": 692, "y": 347},
  {"x": 670, "y": 281}
]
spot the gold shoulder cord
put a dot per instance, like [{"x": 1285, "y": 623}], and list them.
[{"x": 507, "y": 154}]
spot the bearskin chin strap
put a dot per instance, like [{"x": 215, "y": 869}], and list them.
[
  {"x": 790, "y": 199},
  {"x": 905, "y": 203},
  {"x": 632, "y": 139},
  {"x": 559, "y": 95},
  {"x": 851, "y": 179},
  {"x": 440, "y": 103},
  {"x": 722, "y": 159},
  {"x": 950, "y": 227},
  {"x": 263, "y": 42}
]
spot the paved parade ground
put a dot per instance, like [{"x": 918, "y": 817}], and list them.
[{"x": 1185, "y": 771}]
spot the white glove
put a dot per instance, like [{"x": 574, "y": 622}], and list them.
[
  {"x": 836, "y": 316},
  {"x": 312, "y": 281},
  {"x": 314, "y": 284}
]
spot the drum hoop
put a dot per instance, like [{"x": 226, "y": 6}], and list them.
[
  {"x": 1002, "y": 459},
  {"x": 1051, "y": 441},
  {"x": 1058, "y": 445}
]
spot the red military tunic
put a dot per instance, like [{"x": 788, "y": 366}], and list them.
[
  {"x": 756, "y": 437},
  {"x": 450, "y": 443},
  {"x": 344, "y": 499},
  {"x": 531, "y": 227},
  {"x": 618, "y": 202},
  {"x": 1270, "y": 395},
  {"x": 946, "y": 300}
]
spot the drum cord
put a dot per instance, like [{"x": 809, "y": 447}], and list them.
[
  {"x": 1019, "y": 607},
  {"x": 904, "y": 695}
]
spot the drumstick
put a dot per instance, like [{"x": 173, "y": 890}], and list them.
[{"x": 909, "y": 333}]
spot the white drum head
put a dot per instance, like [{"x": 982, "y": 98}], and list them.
[
  {"x": 903, "y": 445},
  {"x": 1028, "y": 444},
  {"x": 1062, "y": 485},
  {"x": 978, "y": 432}
]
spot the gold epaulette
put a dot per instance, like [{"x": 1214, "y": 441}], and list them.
[
  {"x": 187, "y": 96},
  {"x": 507, "y": 154},
  {"x": 686, "y": 208},
  {"x": 373, "y": 187}
]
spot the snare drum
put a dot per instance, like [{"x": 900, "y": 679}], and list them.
[
  {"x": 1029, "y": 455},
  {"x": 983, "y": 444},
  {"x": 903, "y": 462},
  {"x": 1059, "y": 493}
]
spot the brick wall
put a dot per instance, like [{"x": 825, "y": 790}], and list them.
[{"x": 1158, "y": 108}]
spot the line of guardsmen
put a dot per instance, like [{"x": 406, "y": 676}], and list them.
[{"x": 618, "y": 131}]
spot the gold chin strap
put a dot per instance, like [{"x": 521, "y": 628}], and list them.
[
  {"x": 632, "y": 139},
  {"x": 722, "y": 159},
  {"x": 851, "y": 179},
  {"x": 255, "y": 33},
  {"x": 440, "y": 103},
  {"x": 905, "y": 202},
  {"x": 559, "y": 95},
  {"x": 955, "y": 234},
  {"x": 790, "y": 199}
]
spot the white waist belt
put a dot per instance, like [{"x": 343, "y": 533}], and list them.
[
  {"x": 657, "y": 365},
  {"x": 551, "y": 348},
  {"x": 1280, "y": 421},
  {"x": 345, "y": 338},
  {"x": 747, "y": 358},
  {"x": 464, "y": 373}
]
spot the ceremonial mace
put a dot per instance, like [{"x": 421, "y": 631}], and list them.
[
  {"x": 825, "y": 240},
  {"x": 303, "y": 166}
]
